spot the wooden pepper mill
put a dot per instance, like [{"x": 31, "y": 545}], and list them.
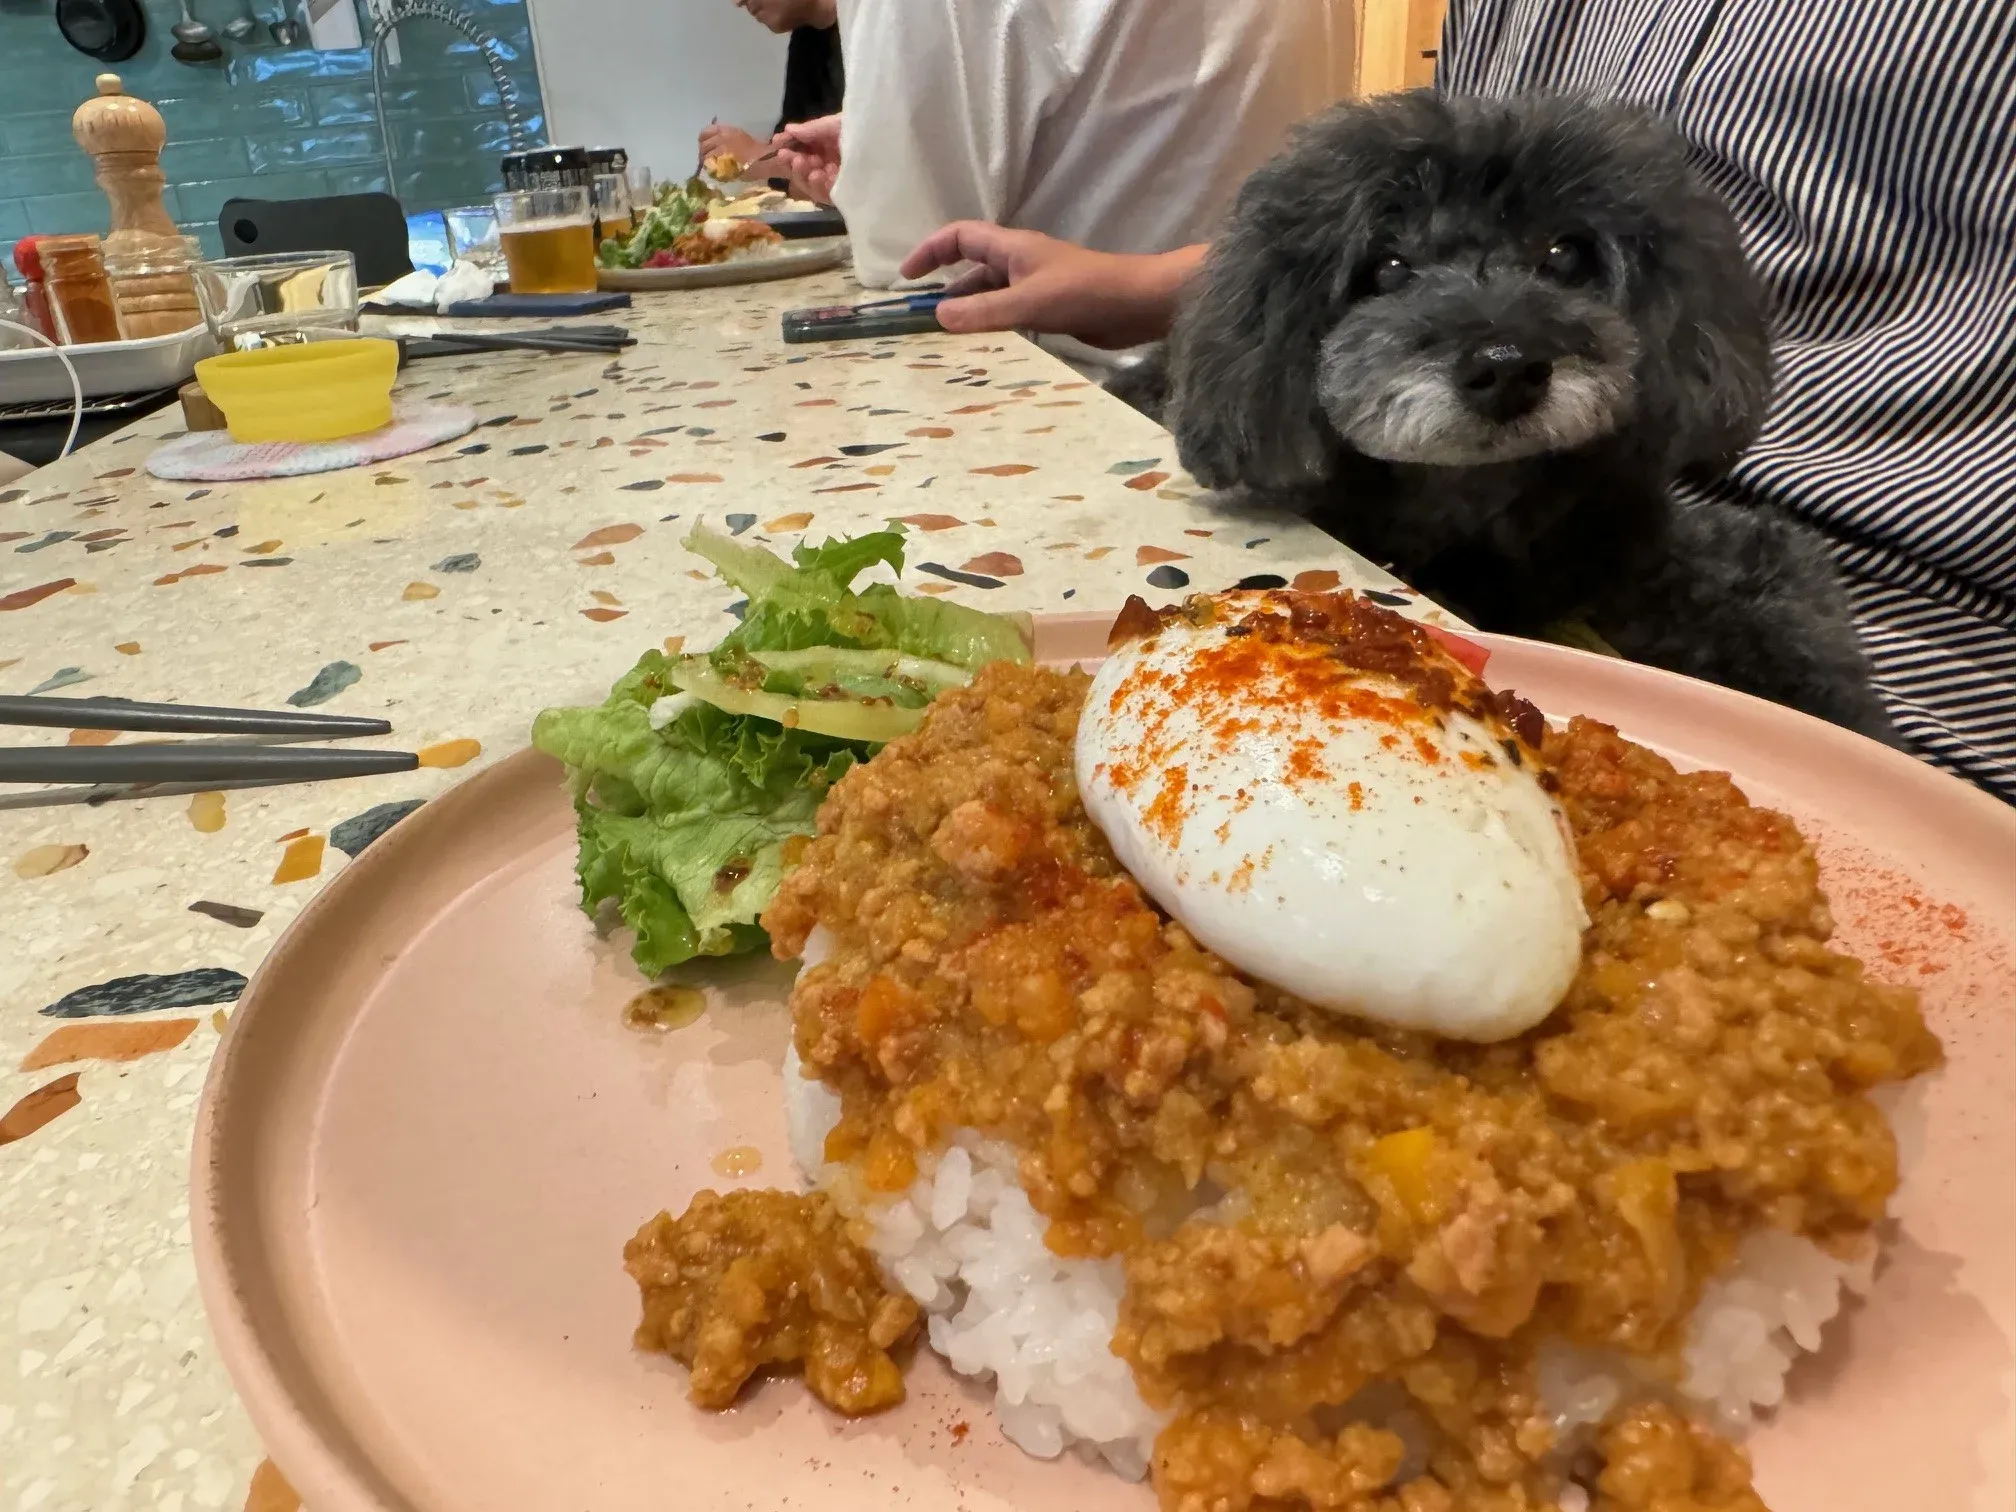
[{"x": 144, "y": 253}]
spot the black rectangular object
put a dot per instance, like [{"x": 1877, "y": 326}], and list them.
[
  {"x": 859, "y": 322},
  {"x": 370, "y": 227},
  {"x": 799, "y": 225},
  {"x": 544, "y": 306}
]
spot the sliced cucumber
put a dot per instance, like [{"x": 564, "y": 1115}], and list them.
[
  {"x": 875, "y": 720},
  {"x": 824, "y": 664}
]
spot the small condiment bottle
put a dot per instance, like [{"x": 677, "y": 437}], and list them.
[
  {"x": 34, "y": 297},
  {"x": 80, "y": 295}
]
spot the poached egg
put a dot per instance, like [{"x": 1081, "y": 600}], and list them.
[{"x": 1323, "y": 795}]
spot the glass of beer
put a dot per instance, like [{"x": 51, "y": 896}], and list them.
[
  {"x": 549, "y": 239},
  {"x": 612, "y": 206}
]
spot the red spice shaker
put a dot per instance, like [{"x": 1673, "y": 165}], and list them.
[
  {"x": 34, "y": 295},
  {"x": 80, "y": 293}
]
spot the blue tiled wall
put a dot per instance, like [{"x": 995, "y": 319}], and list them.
[{"x": 267, "y": 122}]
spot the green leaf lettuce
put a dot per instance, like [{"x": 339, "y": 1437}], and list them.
[
  {"x": 687, "y": 818},
  {"x": 685, "y": 827}
]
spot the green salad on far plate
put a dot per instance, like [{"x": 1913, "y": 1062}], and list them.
[
  {"x": 699, "y": 778},
  {"x": 673, "y": 211}
]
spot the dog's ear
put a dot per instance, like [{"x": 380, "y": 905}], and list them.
[
  {"x": 1243, "y": 356},
  {"x": 1242, "y": 399},
  {"x": 1705, "y": 375}
]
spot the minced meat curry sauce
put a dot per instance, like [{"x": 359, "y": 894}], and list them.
[
  {"x": 769, "y": 1278},
  {"x": 1412, "y": 1211}
]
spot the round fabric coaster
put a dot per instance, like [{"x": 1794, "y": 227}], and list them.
[{"x": 213, "y": 457}]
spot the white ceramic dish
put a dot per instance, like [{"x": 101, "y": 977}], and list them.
[
  {"x": 109, "y": 367},
  {"x": 791, "y": 260}
]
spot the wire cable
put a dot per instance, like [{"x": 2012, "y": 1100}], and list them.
[{"x": 76, "y": 383}]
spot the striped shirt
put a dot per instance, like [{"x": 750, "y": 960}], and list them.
[{"x": 1869, "y": 152}]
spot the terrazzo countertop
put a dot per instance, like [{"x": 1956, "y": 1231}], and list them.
[{"x": 454, "y": 592}]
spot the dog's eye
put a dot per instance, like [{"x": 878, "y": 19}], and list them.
[
  {"x": 1569, "y": 261},
  {"x": 1390, "y": 275}
]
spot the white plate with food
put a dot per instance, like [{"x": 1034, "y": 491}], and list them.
[
  {"x": 1575, "y": 1149},
  {"x": 742, "y": 199},
  {"x": 747, "y": 259},
  {"x": 693, "y": 236}
]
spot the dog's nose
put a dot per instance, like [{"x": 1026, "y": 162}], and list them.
[{"x": 1502, "y": 382}]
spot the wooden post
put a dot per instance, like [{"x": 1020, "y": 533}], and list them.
[
  {"x": 124, "y": 137},
  {"x": 1424, "y": 40},
  {"x": 1397, "y": 43}
]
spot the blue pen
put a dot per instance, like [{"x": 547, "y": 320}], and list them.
[
  {"x": 905, "y": 314},
  {"x": 919, "y": 302}
]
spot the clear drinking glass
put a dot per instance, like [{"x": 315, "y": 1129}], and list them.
[
  {"x": 613, "y": 214},
  {"x": 472, "y": 237},
  {"x": 11, "y": 311},
  {"x": 549, "y": 240},
  {"x": 153, "y": 286},
  {"x": 277, "y": 297},
  {"x": 640, "y": 185},
  {"x": 427, "y": 245}
]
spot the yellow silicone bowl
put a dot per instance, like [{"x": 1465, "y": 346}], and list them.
[{"x": 316, "y": 391}]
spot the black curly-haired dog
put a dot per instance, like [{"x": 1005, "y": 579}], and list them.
[{"x": 1479, "y": 340}]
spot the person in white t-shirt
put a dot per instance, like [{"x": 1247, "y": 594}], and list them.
[{"x": 1122, "y": 125}]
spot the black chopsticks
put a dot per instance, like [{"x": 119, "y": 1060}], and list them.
[
  {"x": 187, "y": 719},
  {"x": 219, "y": 764},
  {"x": 193, "y": 762},
  {"x": 459, "y": 343}
]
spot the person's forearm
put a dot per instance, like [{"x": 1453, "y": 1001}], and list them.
[
  {"x": 1024, "y": 280},
  {"x": 1167, "y": 274},
  {"x": 1153, "y": 287}
]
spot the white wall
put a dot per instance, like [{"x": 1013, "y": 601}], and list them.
[{"x": 648, "y": 74}]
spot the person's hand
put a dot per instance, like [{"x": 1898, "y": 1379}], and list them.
[
  {"x": 788, "y": 15},
  {"x": 809, "y": 155},
  {"x": 1025, "y": 280},
  {"x": 716, "y": 139}
]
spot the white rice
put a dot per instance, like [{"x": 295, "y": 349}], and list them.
[
  {"x": 966, "y": 1244},
  {"x": 811, "y": 1109},
  {"x": 1751, "y": 1323},
  {"x": 1758, "y": 1317}
]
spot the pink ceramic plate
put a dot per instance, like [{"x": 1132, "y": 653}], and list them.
[{"x": 428, "y": 1134}]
